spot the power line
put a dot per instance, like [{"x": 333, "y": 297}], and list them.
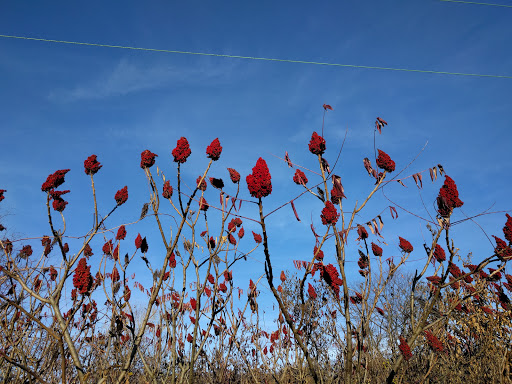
[
  {"x": 257, "y": 58},
  {"x": 474, "y": 2}
]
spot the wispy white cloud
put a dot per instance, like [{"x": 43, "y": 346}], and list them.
[{"x": 128, "y": 77}]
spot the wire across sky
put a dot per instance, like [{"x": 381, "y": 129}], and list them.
[{"x": 257, "y": 58}]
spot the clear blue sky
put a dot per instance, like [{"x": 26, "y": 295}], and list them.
[{"x": 62, "y": 103}]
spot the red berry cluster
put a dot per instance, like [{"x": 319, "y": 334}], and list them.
[
  {"x": 121, "y": 233},
  {"x": 115, "y": 275},
  {"x": 434, "y": 342},
  {"x": 300, "y": 178},
  {"x": 503, "y": 251},
  {"x": 507, "y": 229},
  {"x": 234, "y": 175},
  {"x": 172, "y": 260},
  {"x": 448, "y": 198},
  {"x": 203, "y": 205},
  {"x": 167, "y": 193},
  {"x": 26, "y": 251},
  {"x": 317, "y": 144},
  {"x": 108, "y": 247},
  {"x": 356, "y": 299},
  {"x": 214, "y": 150},
  {"x": 436, "y": 280},
  {"x": 405, "y": 349},
  {"x": 330, "y": 275},
  {"x": 54, "y": 180},
  {"x": 201, "y": 184},
  {"x": 257, "y": 237},
  {"x": 6, "y": 245},
  {"x": 82, "y": 280},
  {"x": 362, "y": 232},
  {"x": 182, "y": 151},
  {"x": 439, "y": 253},
  {"x": 405, "y": 245},
  {"x": 2, "y": 194},
  {"x": 147, "y": 159},
  {"x": 53, "y": 273},
  {"x": 47, "y": 244},
  {"x": 319, "y": 254},
  {"x": 59, "y": 205},
  {"x": 58, "y": 202},
  {"x": 88, "y": 251},
  {"x": 233, "y": 224},
  {"x": 121, "y": 196},
  {"x": 454, "y": 270},
  {"x": 259, "y": 182},
  {"x": 385, "y": 162},
  {"x": 377, "y": 251},
  {"x": 329, "y": 214},
  {"x": 138, "y": 241},
  {"x": 91, "y": 165},
  {"x": 336, "y": 195},
  {"x": 311, "y": 291}
]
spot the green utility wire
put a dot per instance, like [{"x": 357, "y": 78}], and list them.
[
  {"x": 474, "y": 2},
  {"x": 256, "y": 58}
]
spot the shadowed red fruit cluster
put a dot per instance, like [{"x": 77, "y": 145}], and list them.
[
  {"x": 405, "y": 349},
  {"x": 377, "y": 251},
  {"x": 167, "y": 193},
  {"x": 234, "y": 175},
  {"x": 439, "y": 253},
  {"x": 82, "y": 280},
  {"x": 405, "y": 245},
  {"x": 448, "y": 198},
  {"x": 317, "y": 144},
  {"x": 384, "y": 162}
]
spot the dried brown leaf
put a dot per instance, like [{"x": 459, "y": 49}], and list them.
[{"x": 294, "y": 211}]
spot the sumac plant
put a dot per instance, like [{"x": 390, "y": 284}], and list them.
[{"x": 67, "y": 306}]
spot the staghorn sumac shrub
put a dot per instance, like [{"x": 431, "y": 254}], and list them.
[{"x": 71, "y": 305}]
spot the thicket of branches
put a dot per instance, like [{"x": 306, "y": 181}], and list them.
[{"x": 67, "y": 312}]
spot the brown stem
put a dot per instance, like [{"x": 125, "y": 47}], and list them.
[{"x": 269, "y": 275}]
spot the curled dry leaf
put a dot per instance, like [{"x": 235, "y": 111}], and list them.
[
  {"x": 336, "y": 182},
  {"x": 368, "y": 166},
  {"x": 287, "y": 159},
  {"x": 295, "y": 211}
]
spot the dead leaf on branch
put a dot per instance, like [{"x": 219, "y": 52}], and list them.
[
  {"x": 294, "y": 211},
  {"x": 287, "y": 159},
  {"x": 418, "y": 180},
  {"x": 144, "y": 211}
]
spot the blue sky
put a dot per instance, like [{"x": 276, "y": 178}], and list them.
[{"x": 62, "y": 103}]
